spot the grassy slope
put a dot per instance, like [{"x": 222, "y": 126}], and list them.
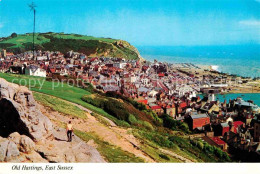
[
  {"x": 40, "y": 38},
  {"x": 91, "y": 46},
  {"x": 109, "y": 151},
  {"x": 63, "y": 91},
  {"x": 152, "y": 140},
  {"x": 112, "y": 153}
]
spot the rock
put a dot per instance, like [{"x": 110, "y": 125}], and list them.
[
  {"x": 18, "y": 113},
  {"x": 12, "y": 151},
  {"x": 69, "y": 157},
  {"x": 26, "y": 144},
  {"x": 31, "y": 137},
  {"x": 3, "y": 148},
  {"x": 15, "y": 137},
  {"x": 92, "y": 143},
  {"x": 35, "y": 157}
]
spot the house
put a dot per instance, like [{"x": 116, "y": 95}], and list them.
[
  {"x": 120, "y": 65},
  {"x": 211, "y": 107},
  {"x": 224, "y": 128},
  {"x": 145, "y": 102},
  {"x": 170, "y": 110},
  {"x": 157, "y": 109},
  {"x": 33, "y": 70},
  {"x": 245, "y": 105},
  {"x": 216, "y": 141},
  {"x": 152, "y": 93},
  {"x": 234, "y": 127},
  {"x": 145, "y": 81},
  {"x": 197, "y": 121},
  {"x": 257, "y": 132}
]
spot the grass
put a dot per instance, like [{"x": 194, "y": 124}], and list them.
[
  {"x": 89, "y": 45},
  {"x": 63, "y": 91},
  {"x": 23, "y": 39},
  {"x": 40, "y": 38},
  {"x": 83, "y": 37},
  {"x": 59, "y": 105},
  {"x": 152, "y": 141},
  {"x": 111, "y": 153}
]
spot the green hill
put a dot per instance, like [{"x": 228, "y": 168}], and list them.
[
  {"x": 89, "y": 45},
  {"x": 161, "y": 138}
]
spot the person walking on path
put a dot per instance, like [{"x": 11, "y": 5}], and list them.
[{"x": 69, "y": 131}]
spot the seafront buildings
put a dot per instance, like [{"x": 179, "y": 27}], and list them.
[{"x": 162, "y": 87}]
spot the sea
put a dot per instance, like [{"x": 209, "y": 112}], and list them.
[
  {"x": 245, "y": 96},
  {"x": 242, "y": 60}
]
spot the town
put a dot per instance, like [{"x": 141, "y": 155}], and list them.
[{"x": 165, "y": 88}]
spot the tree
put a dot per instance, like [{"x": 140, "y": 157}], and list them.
[{"x": 13, "y": 35}]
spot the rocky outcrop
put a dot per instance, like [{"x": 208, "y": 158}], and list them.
[
  {"x": 26, "y": 135},
  {"x": 19, "y": 113}
]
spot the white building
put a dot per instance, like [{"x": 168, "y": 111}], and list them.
[
  {"x": 35, "y": 71},
  {"x": 120, "y": 65}
]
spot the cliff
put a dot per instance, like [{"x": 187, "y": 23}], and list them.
[
  {"x": 26, "y": 135},
  {"x": 91, "y": 46}
]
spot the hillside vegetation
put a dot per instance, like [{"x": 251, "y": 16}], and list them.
[
  {"x": 89, "y": 45},
  {"x": 161, "y": 139}
]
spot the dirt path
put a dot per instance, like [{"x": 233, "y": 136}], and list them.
[
  {"x": 114, "y": 135},
  {"x": 176, "y": 155}
]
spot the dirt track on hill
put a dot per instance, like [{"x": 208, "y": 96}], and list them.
[{"x": 112, "y": 134}]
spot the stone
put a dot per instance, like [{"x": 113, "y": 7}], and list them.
[
  {"x": 26, "y": 144},
  {"x": 69, "y": 157},
  {"x": 12, "y": 151},
  {"x": 21, "y": 109},
  {"x": 3, "y": 148},
  {"x": 15, "y": 137},
  {"x": 92, "y": 143},
  {"x": 30, "y": 134}
]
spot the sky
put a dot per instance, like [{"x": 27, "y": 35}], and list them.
[{"x": 140, "y": 22}]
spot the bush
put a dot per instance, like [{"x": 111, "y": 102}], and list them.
[
  {"x": 13, "y": 35},
  {"x": 147, "y": 125},
  {"x": 218, "y": 152},
  {"x": 172, "y": 124},
  {"x": 208, "y": 148},
  {"x": 200, "y": 145},
  {"x": 164, "y": 157},
  {"x": 132, "y": 119},
  {"x": 181, "y": 142}
]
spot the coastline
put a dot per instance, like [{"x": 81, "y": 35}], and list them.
[{"x": 251, "y": 87}]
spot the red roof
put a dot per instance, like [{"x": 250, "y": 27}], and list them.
[
  {"x": 224, "y": 130},
  {"x": 183, "y": 105},
  {"x": 217, "y": 140},
  {"x": 52, "y": 70},
  {"x": 236, "y": 124},
  {"x": 93, "y": 59},
  {"x": 155, "y": 107},
  {"x": 143, "y": 101},
  {"x": 161, "y": 75},
  {"x": 169, "y": 106}
]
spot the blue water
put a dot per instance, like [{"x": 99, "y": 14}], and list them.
[
  {"x": 243, "y": 60},
  {"x": 248, "y": 96}
]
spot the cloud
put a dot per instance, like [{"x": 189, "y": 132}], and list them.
[
  {"x": 1, "y": 25},
  {"x": 250, "y": 22}
]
